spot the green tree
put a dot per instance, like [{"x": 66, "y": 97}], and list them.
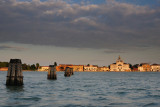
[
  {"x": 33, "y": 67},
  {"x": 24, "y": 66},
  {"x": 37, "y": 65},
  {"x": 109, "y": 66},
  {"x": 130, "y": 65},
  {"x": 28, "y": 67},
  {"x": 55, "y": 63},
  {"x": 135, "y": 65},
  {"x": 4, "y": 64}
]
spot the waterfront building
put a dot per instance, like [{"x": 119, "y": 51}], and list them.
[
  {"x": 134, "y": 69},
  {"x": 155, "y": 67},
  {"x": 4, "y": 69},
  {"x": 78, "y": 68},
  {"x": 43, "y": 68},
  {"x": 103, "y": 69},
  {"x": 62, "y": 67},
  {"x": 90, "y": 68},
  {"x": 144, "y": 67},
  {"x": 140, "y": 68},
  {"x": 119, "y": 66}
]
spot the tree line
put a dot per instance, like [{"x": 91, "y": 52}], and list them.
[
  {"x": 30, "y": 67},
  {"x": 24, "y": 66},
  {"x": 4, "y": 64}
]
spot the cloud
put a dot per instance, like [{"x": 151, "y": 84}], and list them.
[
  {"x": 7, "y": 47},
  {"x": 113, "y": 51},
  {"x": 110, "y": 25}
]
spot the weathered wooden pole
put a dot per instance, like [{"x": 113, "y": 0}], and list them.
[
  {"x": 52, "y": 72},
  {"x": 67, "y": 72},
  {"x": 14, "y": 75},
  {"x": 71, "y": 71}
]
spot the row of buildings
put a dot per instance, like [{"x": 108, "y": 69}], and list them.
[
  {"x": 147, "y": 67},
  {"x": 78, "y": 68},
  {"x": 119, "y": 66},
  {"x": 93, "y": 68}
]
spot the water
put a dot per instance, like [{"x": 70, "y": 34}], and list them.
[{"x": 84, "y": 89}]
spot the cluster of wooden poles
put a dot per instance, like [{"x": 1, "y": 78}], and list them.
[
  {"x": 68, "y": 72},
  {"x": 15, "y": 75}
]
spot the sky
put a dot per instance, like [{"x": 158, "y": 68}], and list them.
[{"x": 80, "y": 31}]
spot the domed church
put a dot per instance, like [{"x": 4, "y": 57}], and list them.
[{"x": 119, "y": 66}]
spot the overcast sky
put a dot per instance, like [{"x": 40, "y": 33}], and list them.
[{"x": 80, "y": 31}]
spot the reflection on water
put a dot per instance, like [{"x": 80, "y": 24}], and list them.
[
  {"x": 14, "y": 88},
  {"x": 84, "y": 89}
]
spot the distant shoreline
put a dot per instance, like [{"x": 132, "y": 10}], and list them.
[{"x": 85, "y": 71}]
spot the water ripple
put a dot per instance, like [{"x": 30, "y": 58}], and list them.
[{"x": 84, "y": 89}]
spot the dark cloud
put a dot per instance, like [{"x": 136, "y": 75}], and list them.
[
  {"x": 55, "y": 22},
  {"x": 7, "y": 47},
  {"x": 114, "y": 51}
]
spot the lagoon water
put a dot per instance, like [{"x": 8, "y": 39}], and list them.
[{"x": 84, "y": 89}]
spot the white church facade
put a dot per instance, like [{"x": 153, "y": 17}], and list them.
[{"x": 119, "y": 66}]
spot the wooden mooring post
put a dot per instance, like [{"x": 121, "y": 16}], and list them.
[
  {"x": 67, "y": 72},
  {"x": 71, "y": 71},
  {"x": 14, "y": 75},
  {"x": 52, "y": 72}
]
